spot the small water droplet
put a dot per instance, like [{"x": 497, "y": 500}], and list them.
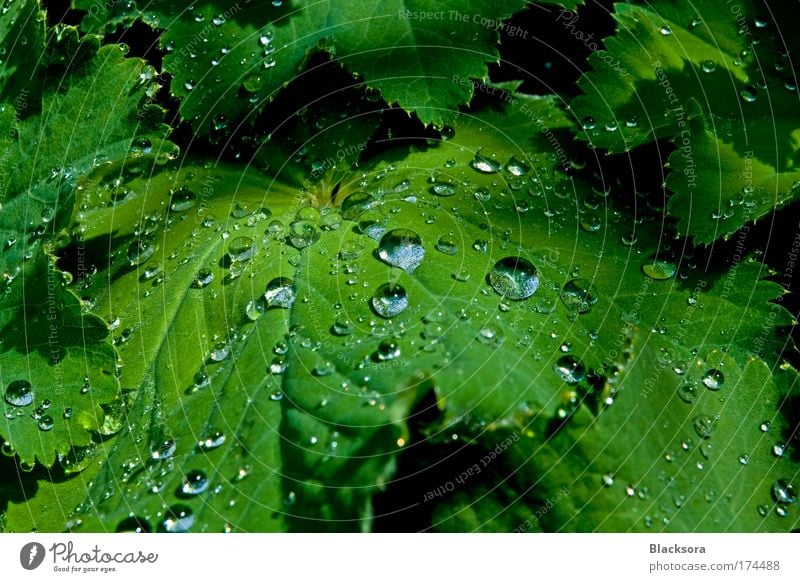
[
  {"x": 194, "y": 483},
  {"x": 177, "y": 519},
  {"x": 46, "y": 423},
  {"x": 579, "y": 295},
  {"x": 485, "y": 165},
  {"x": 388, "y": 349},
  {"x": 783, "y": 492},
  {"x": 703, "y": 425},
  {"x": 210, "y": 440},
  {"x": 659, "y": 268},
  {"x": 182, "y": 200},
  {"x": 241, "y": 249}
]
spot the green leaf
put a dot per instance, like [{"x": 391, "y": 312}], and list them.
[
  {"x": 53, "y": 354},
  {"x": 22, "y": 31},
  {"x": 671, "y": 61},
  {"x": 563, "y": 375},
  {"x": 229, "y": 59}
]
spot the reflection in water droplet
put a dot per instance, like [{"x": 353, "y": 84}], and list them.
[
  {"x": 659, "y": 269},
  {"x": 241, "y": 249},
  {"x": 163, "y": 450},
  {"x": 140, "y": 250},
  {"x": 517, "y": 167},
  {"x": 401, "y": 248},
  {"x": 570, "y": 369},
  {"x": 281, "y": 293},
  {"x": 783, "y": 492},
  {"x": 211, "y": 439},
  {"x": 579, "y": 295},
  {"x": 484, "y": 164},
  {"x": 687, "y": 393},
  {"x": 177, "y": 519},
  {"x": 194, "y": 483},
  {"x": 46, "y": 423},
  {"x": 388, "y": 349},
  {"x": 713, "y": 379},
  {"x": 19, "y": 393},
  {"x": 447, "y": 244},
  {"x": 514, "y": 278},
  {"x": 491, "y": 335},
  {"x": 703, "y": 425},
  {"x": 203, "y": 278},
  {"x": 182, "y": 200},
  {"x": 390, "y": 300}
]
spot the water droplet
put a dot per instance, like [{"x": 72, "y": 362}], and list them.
[
  {"x": 713, "y": 379},
  {"x": 140, "y": 250},
  {"x": 281, "y": 293},
  {"x": 203, "y": 278},
  {"x": 570, "y": 369},
  {"x": 517, "y": 167},
  {"x": 778, "y": 449},
  {"x": 514, "y": 278},
  {"x": 242, "y": 248},
  {"x": 709, "y": 66},
  {"x": 210, "y": 440},
  {"x": 749, "y": 94},
  {"x": 447, "y": 244},
  {"x": 659, "y": 269},
  {"x": 194, "y": 483},
  {"x": 278, "y": 365},
  {"x": 390, "y": 300},
  {"x": 703, "y": 425},
  {"x": 491, "y": 335},
  {"x": 388, "y": 349},
  {"x": 219, "y": 352},
  {"x": 163, "y": 450},
  {"x": 46, "y": 423},
  {"x": 401, "y": 248},
  {"x": 783, "y": 492},
  {"x": 356, "y": 204},
  {"x": 342, "y": 326},
  {"x": 484, "y": 164},
  {"x": 19, "y": 393},
  {"x": 687, "y": 393},
  {"x": 588, "y": 123},
  {"x": 444, "y": 187},
  {"x": 182, "y": 200},
  {"x": 579, "y": 295},
  {"x": 303, "y": 233},
  {"x": 177, "y": 519}
]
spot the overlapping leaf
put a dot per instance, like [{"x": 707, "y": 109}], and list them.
[
  {"x": 56, "y": 365},
  {"x": 725, "y": 65},
  {"x": 228, "y": 58}
]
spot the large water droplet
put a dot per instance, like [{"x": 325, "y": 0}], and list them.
[
  {"x": 303, "y": 233},
  {"x": 401, "y": 248},
  {"x": 783, "y": 492},
  {"x": 46, "y": 423},
  {"x": 194, "y": 483},
  {"x": 177, "y": 519},
  {"x": 211, "y": 439},
  {"x": 140, "y": 250},
  {"x": 713, "y": 379},
  {"x": 514, "y": 278},
  {"x": 579, "y": 295},
  {"x": 659, "y": 268},
  {"x": 182, "y": 200},
  {"x": 570, "y": 369},
  {"x": 484, "y": 164},
  {"x": 280, "y": 292},
  {"x": 390, "y": 300},
  {"x": 388, "y": 349},
  {"x": 356, "y": 204},
  {"x": 242, "y": 248},
  {"x": 19, "y": 393}
]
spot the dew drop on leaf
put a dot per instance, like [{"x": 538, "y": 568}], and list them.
[
  {"x": 19, "y": 393},
  {"x": 177, "y": 519},
  {"x": 579, "y": 295},
  {"x": 447, "y": 244},
  {"x": 182, "y": 200},
  {"x": 401, "y": 248},
  {"x": 281, "y": 293},
  {"x": 46, "y": 423},
  {"x": 713, "y": 379},
  {"x": 388, "y": 349},
  {"x": 140, "y": 250},
  {"x": 703, "y": 425},
  {"x": 659, "y": 269},
  {"x": 783, "y": 492},
  {"x": 211, "y": 439},
  {"x": 570, "y": 369},
  {"x": 514, "y": 278},
  {"x": 163, "y": 450},
  {"x": 485, "y": 165},
  {"x": 241, "y": 249},
  {"x": 356, "y": 204},
  {"x": 194, "y": 483},
  {"x": 390, "y": 300}
]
